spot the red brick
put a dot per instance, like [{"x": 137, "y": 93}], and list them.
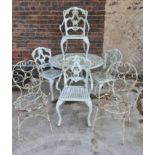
[{"x": 36, "y": 23}]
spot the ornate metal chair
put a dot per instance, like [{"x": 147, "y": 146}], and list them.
[
  {"x": 41, "y": 56},
  {"x": 104, "y": 77},
  {"x": 76, "y": 26},
  {"x": 77, "y": 84},
  {"x": 120, "y": 102},
  {"x": 31, "y": 101}
]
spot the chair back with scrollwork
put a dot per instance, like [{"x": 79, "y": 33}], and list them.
[
  {"x": 125, "y": 72},
  {"x": 75, "y": 69},
  {"x": 24, "y": 77},
  {"x": 41, "y": 56},
  {"x": 75, "y": 20},
  {"x": 112, "y": 56}
]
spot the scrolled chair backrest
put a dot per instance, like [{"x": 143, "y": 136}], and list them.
[
  {"x": 24, "y": 77},
  {"x": 126, "y": 72},
  {"x": 75, "y": 19},
  {"x": 41, "y": 56},
  {"x": 76, "y": 68},
  {"x": 112, "y": 56}
]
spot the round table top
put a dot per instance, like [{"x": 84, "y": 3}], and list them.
[{"x": 96, "y": 61}]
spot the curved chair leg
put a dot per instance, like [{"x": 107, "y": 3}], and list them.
[
  {"x": 89, "y": 104},
  {"x": 51, "y": 89},
  {"x": 99, "y": 91},
  {"x": 58, "y": 104}
]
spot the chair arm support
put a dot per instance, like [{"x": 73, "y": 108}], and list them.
[
  {"x": 60, "y": 28},
  {"x": 58, "y": 81},
  {"x": 87, "y": 27}
]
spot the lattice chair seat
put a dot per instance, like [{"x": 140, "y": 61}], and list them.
[
  {"x": 41, "y": 56},
  {"x": 31, "y": 101},
  {"x": 101, "y": 77},
  {"x": 77, "y": 79},
  {"x": 117, "y": 104},
  {"x": 50, "y": 74},
  {"x": 74, "y": 93}
]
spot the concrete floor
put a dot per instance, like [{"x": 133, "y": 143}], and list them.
[{"x": 74, "y": 137}]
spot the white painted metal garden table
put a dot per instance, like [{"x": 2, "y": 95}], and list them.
[{"x": 96, "y": 61}]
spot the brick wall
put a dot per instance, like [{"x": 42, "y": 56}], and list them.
[
  {"x": 36, "y": 23},
  {"x": 117, "y": 23}
]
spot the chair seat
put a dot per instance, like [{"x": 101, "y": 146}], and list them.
[
  {"x": 101, "y": 77},
  {"x": 116, "y": 105},
  {"x": 51, "y": 74},
  {"x": 74, "y": 93},
  {"x": 66, "y": 37},
  {"x": 30, "y": 102}
]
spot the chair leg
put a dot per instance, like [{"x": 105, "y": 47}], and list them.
[
  {"x": 95, "y": 117},
  {"x": 129, "y": 115},
  {"x": 99, "y": 91},
  {"x": 58, "y": 104},
  {"x": 18, "y": 125},
  {"x": 48, "y": 117},
  {"x": 89, "y": 104},
  {"x": 113, "y": 90},
  {"x": 123, "y": 138},
  {"x": 66, "y": 45},
  {"x": 51, "y": 89}
]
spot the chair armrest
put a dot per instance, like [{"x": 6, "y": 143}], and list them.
[
  {"x": 88, "y": 27},
  {"x": 58, "y": 81},
  {"x": 60, "y": 28}
]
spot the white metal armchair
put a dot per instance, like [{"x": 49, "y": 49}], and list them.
[
  {"x": 120, "y": 102},
  {"x": 73, "y": 73},
  {"x": 76, "y": 26},
  {"x": 31, "y": 101},
  {"x": 104, "y": 77},
  {"x": 41, "y": 56}
]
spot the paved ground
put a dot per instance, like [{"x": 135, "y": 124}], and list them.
[{"x": 74, "y": 137}]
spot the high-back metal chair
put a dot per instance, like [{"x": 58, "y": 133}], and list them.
[
  {"x": 77, "y": 84},
  {"x": 41, "y": 56},
  {"x": 103, "y": 77},
  {"x": 76, "y": 26},
  {"x": 31, "y": 101}
]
